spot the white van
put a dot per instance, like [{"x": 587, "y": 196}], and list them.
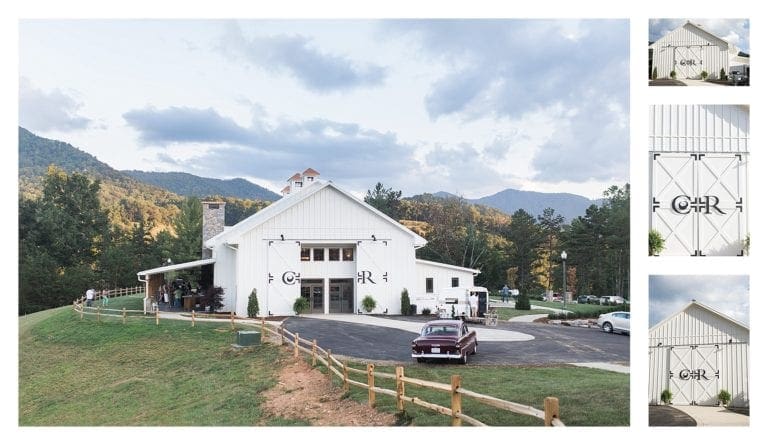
[{"x": 462, "y": 302}]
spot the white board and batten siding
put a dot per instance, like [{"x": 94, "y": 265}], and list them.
[
  {"x": 689, "y": 50},
  {"x": 695, "y": 354},
  {"x": 326, "y": 217},
  {"x": 442, "y": 276},
  {"x": 699, "y": 158}
]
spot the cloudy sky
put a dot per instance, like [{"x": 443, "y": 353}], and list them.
[
  {"x": 727, "y": 294},
  {"x": 733, "y": 31},
  {"x": 466, "y": 106}
]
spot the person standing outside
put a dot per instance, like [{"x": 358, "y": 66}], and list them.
[
  {"x": 89, "y": 294},
  {"x": 177, "y": 297},
  {"x": 505, "y": 294}
]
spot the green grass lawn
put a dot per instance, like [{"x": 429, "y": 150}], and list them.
[
  {"x": 505, "y": 313},
  {"x": 588, "y": 397},
  {"x": 76, "y": 372}
]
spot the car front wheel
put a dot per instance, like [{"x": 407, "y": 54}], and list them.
[
  {"x": 464, "y": 359},
  {"x": 607, "y": 327}
]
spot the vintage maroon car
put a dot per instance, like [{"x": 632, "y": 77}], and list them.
[{"x": 444, "y": 339}]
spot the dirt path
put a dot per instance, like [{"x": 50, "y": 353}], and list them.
[{"x": 305, "y": 393}]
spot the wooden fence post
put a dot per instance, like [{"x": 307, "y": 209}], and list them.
[
  {"x": 371, "y": 392},
  {"x": 346, "y": 377},
  {"x": 232, "y": 319},
  {"x": 82, "y": 310},
  {"x": 281, "y": 331},
  {"x": 330, "y": 365},
  {"x": 455, "y": 400},
  {"x": 98, "y": 314},
  {"x": 123, "y": 315},
  {"x": 551, "y": 410},
  {"x": 399, "y": 388},
  {"x": 314, "y": 353},
  {"x": 193, "y": 318},
  {"x": 157, "y": 317},
  {"x": 296, "y": 345}
]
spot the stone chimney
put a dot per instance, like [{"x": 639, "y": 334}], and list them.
[{"x": 213, "y": 222}]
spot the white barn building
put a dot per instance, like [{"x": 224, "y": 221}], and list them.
[
  {"x": 323, "y": 244},
  {"x": 697, "y": 352},
  {"x": 698, "y": 157},
  {"x": 689, "y": 49}
]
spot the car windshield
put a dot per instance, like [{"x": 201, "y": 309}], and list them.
[{"x": 434, "y": 330}]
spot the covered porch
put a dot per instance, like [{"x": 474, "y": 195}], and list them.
[{"x": 171, "y": 280}]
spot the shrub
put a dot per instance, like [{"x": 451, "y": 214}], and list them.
[
  {"x": 426, "y": 311},
  {"x": 724, "y": 397},
  {"x": 673, "y": 74},
  {"x": 655, "y": 74},
  {"x": 405, "y": 302},
  {"x": 722, "y": 74},
  {"x": 213, "y": 298},
  {"x": 369, "y": 303},
  {"x": 301, "y": 305},
  {"x": 704, "y": 75},
  {"x": 253, "y": 305},
  {"x": 523, "y": 303},
  {"x": 666, "y": 397},
  {"x": 655, "y": 242}
]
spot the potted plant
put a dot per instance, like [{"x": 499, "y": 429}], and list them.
[
  {"x": 704, "y": 75},
  {"x": 368, "y": 303},
  {"x": 673, "y": 74},
  {"x": 666, "y": 397},
  {"x": 655, "y": 242},
  {"x": 724, "y": 397},
  {"x": 301, "y": 305}
]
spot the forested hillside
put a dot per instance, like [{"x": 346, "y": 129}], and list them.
[{"x": 186, "y": 184}]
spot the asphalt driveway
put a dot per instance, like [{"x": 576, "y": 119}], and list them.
[{"x": 551, "y": 344}]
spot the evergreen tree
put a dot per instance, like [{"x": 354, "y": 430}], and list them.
[
  {"x": 189, "y": 231},
  {"x": 385, "y": 200},
  {"x": 526, "y": 237}
]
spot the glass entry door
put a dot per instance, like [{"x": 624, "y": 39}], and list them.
[
  {"x": 312, "y": 290},
  {"x": 341, "y": 296}
]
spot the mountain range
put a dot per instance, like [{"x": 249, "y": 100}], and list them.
[
  {"x": 511, "y": 200},
  {"x": 133, "y": 192}
]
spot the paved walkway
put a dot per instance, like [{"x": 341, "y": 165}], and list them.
[
  {"x": 604, "y": 366},
  {"x": 714, "y": 415},
  {"x": 698, "y": 83},
  {"x": 483, "y": 334}
]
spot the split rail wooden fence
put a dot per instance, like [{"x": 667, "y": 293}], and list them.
[{"x": 550, "y": 415}]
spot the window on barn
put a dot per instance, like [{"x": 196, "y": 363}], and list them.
[
  {"x": 333, "y": 254},
  {"x": 430, "y": 285},
  {"x": 347, "y": 254},
  {"x": 318, "y": 254},
  {"x": 455, "y": 282},
  {"x": 304, "y": 254}
]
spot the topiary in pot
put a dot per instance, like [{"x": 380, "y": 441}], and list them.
[
  {"x": 655, "y": 74},
  {"x": 405, "y": 303},
  {"x": 704, "y": 75},
  {"x": 655, "y": 242},
  {"x": 301, "y": 305},
  {"x": 666, "y": 397},
  {"x": 724, "y": 397},
  {"x": 368, "y": 303},
  {"x": 673, "y": 74},
  {"x": 722, "y": 74}
]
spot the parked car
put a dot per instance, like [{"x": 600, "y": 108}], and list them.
[
  {"x": 444, "y": 339},
  {"x": 588, "y": 299},
  {"x": 614, "y": 322},
  {"x": 612, "y": 299}
]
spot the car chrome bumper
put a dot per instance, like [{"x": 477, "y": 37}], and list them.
[{"x": 414, "y": 355}]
